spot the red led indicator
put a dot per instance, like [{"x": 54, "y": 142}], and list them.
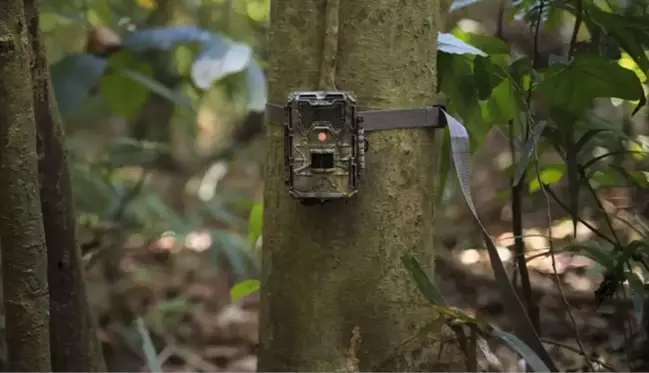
[{"x": 322, "y": 136}]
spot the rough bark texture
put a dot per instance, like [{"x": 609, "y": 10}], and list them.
[
  {"x": 333, "y": 271},
  {"x": 74, "y": 343},
  {"x": 24, "y": 257}
]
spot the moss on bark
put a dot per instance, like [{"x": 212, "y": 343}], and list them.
[
  {"x": 24, "y": 257},
  {"x": 334, "y": 268},
  {"x": 74, "y": 343}
]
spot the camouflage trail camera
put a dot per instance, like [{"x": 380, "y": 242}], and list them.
[{"x": 325, "y": 144}]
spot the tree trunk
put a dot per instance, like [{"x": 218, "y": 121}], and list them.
[
  {"x": 74, "y": 343},
  {"x": 335, "y": 295},
  {"x": 24, "y": 257}
]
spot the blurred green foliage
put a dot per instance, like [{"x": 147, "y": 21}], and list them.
[{"x": 110, "y": 60}]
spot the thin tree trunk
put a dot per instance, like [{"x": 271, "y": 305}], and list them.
[
  {"x": 74, "y": 343},
  {"x": 24, "y": 257},
  {"x": 335, "y": 295}
]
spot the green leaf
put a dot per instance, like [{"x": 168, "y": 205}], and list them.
[
  {"x": 522, "y": 349},
  {"x": 637, "y": 295},
  {"x": 449, "y": 43},
  {"x": 519, "y": 70},
  {"x": 156, "y": 87},
  {"x": 259, "y": 11},
  {"x": 592, "y": 250},
  {"x": 501, "y": 105},
  {"x": 640, "y": 178},
  {"x": 549, "y": 175},
  {"x": 607, "y": 178},
  {"x": 255, "y": 223},
  {"x": 487, "y": 76},
  {"x": 575, "y": 86},
  {"x": 123, "y": 95},
  {"x": 425, "y": 285},
  {"x": 148, "y": 347},
  {"x": 92, "y": 194},
  {"x": 488, "y": 44},
  {"x": 630, "y": 31},
  {"x": 243, "y": 288},
  {"x": 73, "y": 77},
  {"x": 458, "y": 83}
]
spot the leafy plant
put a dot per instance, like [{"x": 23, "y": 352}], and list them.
[{"x": 489, "y": 86}]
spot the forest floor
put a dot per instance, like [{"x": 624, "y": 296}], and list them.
[
  {"x": 186, "y": 305},
  {"x": 184, "y": 297}
]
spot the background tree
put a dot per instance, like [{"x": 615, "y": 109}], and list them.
[
  {"x": 73, "y": 335},
  {"x": 24, "y": 256},
  {"x": 335, "y": 294}
]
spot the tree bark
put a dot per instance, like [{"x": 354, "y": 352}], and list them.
[
  {"x": 74, "y": 343},
  {"x": 24, "y": 257},
  {"x": 335, "y": 295}
]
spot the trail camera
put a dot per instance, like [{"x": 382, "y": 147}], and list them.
[{"x": 325, "y": 144}]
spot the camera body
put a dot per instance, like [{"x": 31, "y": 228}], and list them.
[{"x": 324, "y": 145}]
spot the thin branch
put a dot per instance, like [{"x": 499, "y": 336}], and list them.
[{"x": 575, "y": 31}]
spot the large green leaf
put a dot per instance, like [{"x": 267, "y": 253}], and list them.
[
  {"x": 574, "y": 86},
  {"x": 487, "y": 76},
  {"x": 458, "y": 83},
  {"x": 425, "y": 285},
  {"x": 500, "y": 107},
  {"x": 123, "y": 95},
  {"x": 523, "y": 349},
  {"x": 630, "y": 31},
  {"x": 449, "y": 43},
  {"x": 489, "y": 44}
]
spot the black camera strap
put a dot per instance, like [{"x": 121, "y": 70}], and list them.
[{"x": 379, "y": 120}]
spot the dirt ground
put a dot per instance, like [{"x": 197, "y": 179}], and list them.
[
  {"x": 184, "y": 296},
  {"x": 185, "y": 300}
]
